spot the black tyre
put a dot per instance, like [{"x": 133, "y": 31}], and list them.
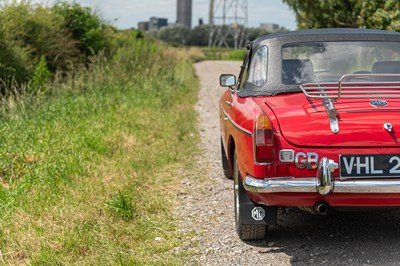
[
  {"x": 225, "y": 164},
  {"x": 245, "y": 231}
]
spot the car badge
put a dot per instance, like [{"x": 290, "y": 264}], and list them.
[
  {"x": 388, "y": 126},
  {"x": 378, "y": 103},
  {"x": 258, "y": 213}
]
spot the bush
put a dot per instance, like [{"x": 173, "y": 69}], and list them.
[
  {"x": 29, "y": 32},
  {"x": 37, "y": 41},
  {"x": 174, "y": 35},
  {"x": 14, "y": 63},
  {"x": 46, "y": 36},
  {"x": 86, "y": 27}
]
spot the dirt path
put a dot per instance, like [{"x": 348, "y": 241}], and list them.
[{"x": 206, "y": 209}]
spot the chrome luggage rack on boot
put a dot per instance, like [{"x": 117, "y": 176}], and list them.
[{"x": 362, "y": 86}]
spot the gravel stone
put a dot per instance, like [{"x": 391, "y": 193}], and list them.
[{"x": 205, "y": 213}]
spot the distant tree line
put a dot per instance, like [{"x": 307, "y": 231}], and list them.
[
  {"x": 198, "y": 36},
  {"x": 374, "y": 14}
]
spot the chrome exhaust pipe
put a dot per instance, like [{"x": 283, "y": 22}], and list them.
[{"x": 321, "y": 208}]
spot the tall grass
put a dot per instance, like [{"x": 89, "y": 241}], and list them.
[{"x": 88, "y": 167}]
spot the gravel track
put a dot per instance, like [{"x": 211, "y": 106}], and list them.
[{"x": 205, "y": 208}]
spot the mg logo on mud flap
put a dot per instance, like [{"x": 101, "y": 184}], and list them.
[{"x": 258, "y": 213}]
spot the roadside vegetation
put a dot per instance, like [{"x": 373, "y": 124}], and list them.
[
  {"x": 197, "y": 54},
  {"x": 224, "y": 54},
  {"x": 96, "y": 126}
]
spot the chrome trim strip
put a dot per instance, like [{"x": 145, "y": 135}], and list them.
[
  {"x": 332, "y": 115},
  {"x": 241, "y": 129},
  {"x": 257, "y": 163},
  {"x": 368, "y": 186},
  {"x": 309, "y": 184},
  {"x": 280, "y": 184}
]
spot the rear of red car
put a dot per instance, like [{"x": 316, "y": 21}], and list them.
[
  {"x": 357, "y": 166},
  {"x": 313, "y": 122}
]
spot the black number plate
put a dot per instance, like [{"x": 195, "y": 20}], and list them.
[{"x": 377, "y": 165}]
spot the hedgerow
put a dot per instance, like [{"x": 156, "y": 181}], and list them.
[{"x": 59, "y": 38}]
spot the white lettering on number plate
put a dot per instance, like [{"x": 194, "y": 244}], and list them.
[{"x": 385, "y": 165}]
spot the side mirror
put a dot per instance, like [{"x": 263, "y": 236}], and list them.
[{"x": 227, "y": 80}]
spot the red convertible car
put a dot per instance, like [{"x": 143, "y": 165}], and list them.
[{"x": 312, "y": 121}]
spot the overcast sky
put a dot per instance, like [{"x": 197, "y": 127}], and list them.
[{"x": 127, "y": 13}]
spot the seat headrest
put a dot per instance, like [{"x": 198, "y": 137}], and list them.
[
  {"x": 295, "y": 71},
  {"x": 386, "y": 67}
]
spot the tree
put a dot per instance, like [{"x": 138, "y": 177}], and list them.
[
  {"x": 199, "y": 35},
  {"x": 379, "y": 14},
  {"x": 254, "y": 33},
  {"x": 178, "y": 34},
  {"x": 85, "y": 26}
]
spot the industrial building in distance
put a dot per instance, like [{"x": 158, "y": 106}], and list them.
[
  {"x": 183, "y": 17},
  {"x": 271, "y": 27},
  {"x": 184, "y": 13},
  {"x": 153, "y": 24}
]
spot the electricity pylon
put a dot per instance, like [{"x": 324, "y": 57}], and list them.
[{"x": 228, "y": 20}]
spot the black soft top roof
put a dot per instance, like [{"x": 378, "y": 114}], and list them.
[
  {"x": 275, "y": 41},
  {"x": 327, "y": 34}
]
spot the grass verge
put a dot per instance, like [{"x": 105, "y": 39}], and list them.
[
  {"x": 88, "y": 172},
  {"x": 224, "y": 54}
]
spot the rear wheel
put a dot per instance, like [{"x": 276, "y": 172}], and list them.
[{"x": 245, "y": 231}]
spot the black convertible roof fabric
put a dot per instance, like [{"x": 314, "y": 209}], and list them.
[{"x": 275, "y": 41}]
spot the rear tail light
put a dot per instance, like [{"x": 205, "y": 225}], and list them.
[{"x": 263, "y": 140}]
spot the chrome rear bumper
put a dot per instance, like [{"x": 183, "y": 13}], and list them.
[
  {"x": 311, "y": 184},
  {"x": 323, "y": 183}
]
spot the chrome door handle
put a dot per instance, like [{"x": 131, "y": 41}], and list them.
[
  {"x": 228, "y": 103},
  {"x": 226, "y": 118}
]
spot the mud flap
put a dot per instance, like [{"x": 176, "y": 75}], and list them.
[{"x": 252, "y": 213}]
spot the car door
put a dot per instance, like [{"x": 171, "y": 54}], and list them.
[{"x": 229, "y": 101}]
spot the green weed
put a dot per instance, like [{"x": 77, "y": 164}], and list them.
[
  {"x": 121, "y": 205},
  {"x": 40, "y": 76}
]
